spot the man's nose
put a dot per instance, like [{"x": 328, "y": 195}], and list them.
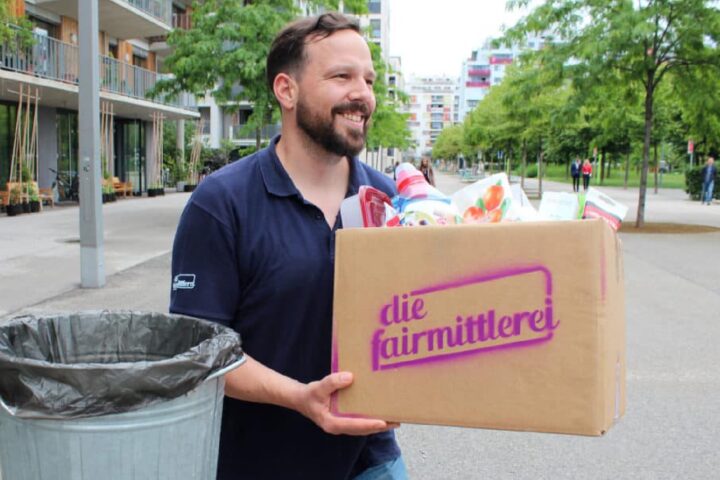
[{"x": 362, "y": 91}]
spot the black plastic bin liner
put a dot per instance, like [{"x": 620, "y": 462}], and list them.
[{"x": 98, "y": 363}]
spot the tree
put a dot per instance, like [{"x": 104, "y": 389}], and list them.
[
  {"x": 9, "y": 34},
  {"x": 388, "y": 127},
  {"x": 449, "y": 144},
  {"x": 639, "y": 42},
  {"x": 224, "y": 52}
]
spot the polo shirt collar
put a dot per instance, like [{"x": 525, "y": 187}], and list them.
[{"x": 278, "y": 182}]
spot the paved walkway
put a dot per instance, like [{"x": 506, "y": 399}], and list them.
[{"x": 672, "y": 424}]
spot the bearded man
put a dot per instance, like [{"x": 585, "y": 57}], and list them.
[{"x": 259, "y": 236}]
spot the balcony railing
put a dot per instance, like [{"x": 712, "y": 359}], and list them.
[
  {"x": 237, "y": 132},
  {"x": 49, "y": 58},
  {"x": 160, "y": 9},
  {"x": 181, "y": 21}
]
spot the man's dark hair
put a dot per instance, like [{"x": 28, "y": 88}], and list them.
[{"x": 287, "y": 53}]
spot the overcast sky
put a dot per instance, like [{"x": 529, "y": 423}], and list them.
[{"x": 434, "y": 37}]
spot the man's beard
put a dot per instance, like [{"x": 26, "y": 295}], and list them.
[{"x": 323, "y": 132}]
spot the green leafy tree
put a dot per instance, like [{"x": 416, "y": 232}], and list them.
[
  {"x": 389, "y": 126},
  {"x": 638, "y": 41},
  {"x": 450, "y": 143}
]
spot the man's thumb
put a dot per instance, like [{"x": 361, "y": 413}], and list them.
[{"x": 336, "y": 381}]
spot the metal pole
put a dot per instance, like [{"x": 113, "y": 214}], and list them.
[{"x": 92, "y": 263}]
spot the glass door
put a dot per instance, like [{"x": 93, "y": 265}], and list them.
[
  {"x": 7, "y": 137},
  {"x": 67, "y": 164},
  {"x": 130, "y": 152}
]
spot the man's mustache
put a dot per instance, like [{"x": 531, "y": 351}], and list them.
[{"x": 352, "y": 107}]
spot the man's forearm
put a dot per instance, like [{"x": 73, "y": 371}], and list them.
[{"x": 254, "y": 382}]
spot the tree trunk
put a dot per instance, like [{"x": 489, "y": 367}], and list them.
[
  {"x": 656, "y": 169},
  {"x": 640, "y": 221},
  {"x": 524, "y": 165},
  {"x": 540, "y": 170},
  {"x": 382, "y": 159},
  {"x": 627, "y": 168},
  {"x": 258, "y": 138},
  {"x": 602, "y": 166}
]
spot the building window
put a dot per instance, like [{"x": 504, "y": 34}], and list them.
[
  {"x": 375, "y": 28},
  {"x": 374, "y": 6},
  {"x": 8, "y": 114}
]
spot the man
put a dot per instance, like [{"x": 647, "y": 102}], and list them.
[
  {"x": 708, "y": 174},
  {"x": 259, "y": 237},
  {"x": 575, "y": 174}
]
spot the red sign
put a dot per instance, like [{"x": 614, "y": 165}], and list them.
[{"x": 691, "y": 146}]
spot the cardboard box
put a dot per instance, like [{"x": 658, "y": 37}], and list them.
[{"x": 517, "y": 326}]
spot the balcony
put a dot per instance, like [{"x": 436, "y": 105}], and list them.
[
  {"x": 51, "y": 59},
  {"x": 239, "y": 136},
  {"x": 477, "y": 84},
  {"x": 501, "y": 60},
  {"x": 479, "y": 73},
  {"x": 122, "y": 18}
]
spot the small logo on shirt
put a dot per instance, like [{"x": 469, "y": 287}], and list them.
[{"x": 184, "y": 281}]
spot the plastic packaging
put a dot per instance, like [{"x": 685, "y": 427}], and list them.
[
  {"x": 599, "y": 205},
  {"x": 370, "y": 207},
  {"x": 489, "y": 200},
  {"x": 418, "y": 202},
  {"x": 97, "y": 363}
]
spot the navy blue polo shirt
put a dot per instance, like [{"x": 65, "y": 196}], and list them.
[{"x": 251, "y": 253}]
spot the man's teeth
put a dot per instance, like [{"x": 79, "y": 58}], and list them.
[{"x": 354, "y": 118}]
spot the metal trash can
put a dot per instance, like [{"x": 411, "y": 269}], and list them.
[{"x": 112, "y": 395}]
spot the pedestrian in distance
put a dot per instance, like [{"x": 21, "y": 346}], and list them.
[
  {"x": 395, "y": 170},
  {"x": 575, "y": 174},
  {"x": 259, "y": 236},
  {"x": 708, "y": 174},
  {"x": 427, "y": 171},
  {"x": 586, "y": 174}
]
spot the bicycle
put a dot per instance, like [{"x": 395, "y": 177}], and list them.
[{"x": 67, "y": 188}]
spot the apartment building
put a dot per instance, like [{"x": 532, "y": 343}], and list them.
[
  {"x": 484, "y": 68},
  {"x": 432, "y": 107},
  {"x": 132, "y": 47}
]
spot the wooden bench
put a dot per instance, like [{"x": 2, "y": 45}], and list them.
[
  {"x": 45, "y": 195},
  {"x": 121, "y": 188}
]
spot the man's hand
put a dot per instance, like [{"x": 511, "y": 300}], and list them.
[
  {"x": 254, "y": 382},
  {"x": 314, "y": 402}
]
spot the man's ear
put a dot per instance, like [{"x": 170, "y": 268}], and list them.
[{"x": 286, "y": 90}]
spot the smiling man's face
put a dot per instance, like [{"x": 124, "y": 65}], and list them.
[{"x": 336, "y": 98}]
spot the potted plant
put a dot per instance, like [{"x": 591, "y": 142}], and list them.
[
  {"x": 180, "y": 176},
  {"x": 26, "y": 186},
  {"x": 34, "y": 197},
  {"x": 14, "y": 198}
]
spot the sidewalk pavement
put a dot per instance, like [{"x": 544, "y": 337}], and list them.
[
  {"x": 40, "y": 254},
  {"x": 672, "y": 292}
]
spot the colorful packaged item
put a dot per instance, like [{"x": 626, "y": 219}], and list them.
[
  {"x": 489, "y": 200},
  {"x": 370, "y": 207},
  {"x": 599, "y": 205},
  {"x": 418, "y": 202},
  {"x": 558, "y": 206}
]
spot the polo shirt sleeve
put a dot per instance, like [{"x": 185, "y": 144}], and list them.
[{"x": 205, "y": 279}]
